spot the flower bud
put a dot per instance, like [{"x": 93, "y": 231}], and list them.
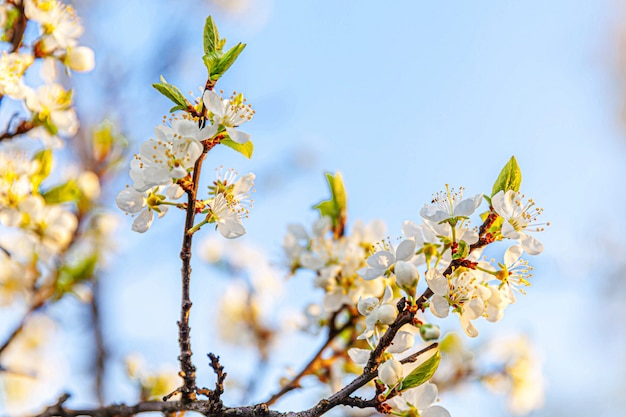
[
  {"x": 429, "y": 332},
  {"x": 390, "y": 372},
  {"x": 80, "y": 59},
  {"x": 386, "y": 313},
  {"x": 367, "y": 305},
  {"x": 406, "y": 274}
]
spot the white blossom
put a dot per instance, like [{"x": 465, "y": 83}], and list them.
[
  {"x": 518, "y": 219},
  {"x": 450, "y": 205},
  {"x": 420, "y": 400},
  {"x": 229, "y": 113},
  {"x": 390, "y": 372}
]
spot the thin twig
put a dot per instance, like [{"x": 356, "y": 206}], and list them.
[
  {"x": 187, "y": 369},
  {"x": 295, "y": 381},
  {"x": 101, "y": 353}
]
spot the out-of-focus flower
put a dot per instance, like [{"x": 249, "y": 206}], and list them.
[
  {"x": 12, "y": 68},
  {"x": 79, "y": 58}
]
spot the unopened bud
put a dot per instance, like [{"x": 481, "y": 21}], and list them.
[
  {"x": 406, "y": 274},
  {"x": 390, "y": 372},
  {"x": 80, "y": 59},
  {"x": 430, "y": 332}
]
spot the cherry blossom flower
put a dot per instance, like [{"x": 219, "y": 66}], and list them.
[
  {"x": 375, "y": 311},
  {"x": 518, "y": 219},
  {"x": 381, "y": 262},
  {"x": 12, "y": 67},
  {"x": 146, "y": 203},
  {"x": 227, "y": 220},
  {"x": 390, "y": 372},
  {"x": 450, "y": 205},
  {"x": 466, "y": 295},
  {"x": 229, "y": 113},
  {"x": 419, "y": 401},
  {"x": 170, "y": 156},
  {"x": 52, "y": 105}
]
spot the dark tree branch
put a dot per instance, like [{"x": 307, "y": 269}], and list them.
[
  {"x": 101, "y": 353},
  {"x": 187, "y": 369},
  {"x": 295, "y": 381}
]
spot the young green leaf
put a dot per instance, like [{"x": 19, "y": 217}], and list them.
[
  {"x": 245, "y": 149},
  {"x": 336, "y": 207},
  {"x": 173, "y": 93},
  {"x": 226, "y": 61},
  {"x": 69, "y": 276},
  {"x": 510, "y": 178},
  {"x": 63, "y": 193},
  {"x": 422, "y": 373},
  {"x": 44, "y": 157},
  {"x": 211, "y": 36}
]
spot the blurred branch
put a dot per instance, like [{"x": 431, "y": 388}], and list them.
[
  {"x": 100, "y": 355},
  {"x": 306, "y": 370},
  {"x": 22, "y": 128}
]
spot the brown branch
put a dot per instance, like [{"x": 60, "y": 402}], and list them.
[
  {"x": 16, "y": 34},
  {"x": 295, "y": 382},
  {"x": 165, "y": 407},
  {"x": 208, "y": 408},
  {"x": 215, "y": 395},
  {"x": 101, "y": 353},
  {"x": 24, "y": 127},
  {"x": 342, "y": 397},
  {"x": 18, "y": 329},
  {"x": 187, "y": 369}
]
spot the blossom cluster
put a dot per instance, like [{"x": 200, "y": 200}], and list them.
[
  {"x": 163, "y": 170},
  {"x": 53, "y": 232},
  {"x": 374, "y": 273},
  {"x": 49, "y": 104}
]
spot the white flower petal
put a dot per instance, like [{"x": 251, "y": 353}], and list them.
[
  {"x": 143, "y": 221},
  {"x": 531, "y": 245},
  {"x": 439, "y": 306},
  {"x": 512, "y": 254},
  {"x": 437, "y": 282},
  {"x": 237, "y": 135},
  {"x": 402, "y": 342},
  {"x": 405, "y": 250},
  {"x": 359, "y": 356},
  {"x": 435, "y": 411}
]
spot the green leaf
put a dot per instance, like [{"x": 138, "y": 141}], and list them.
[
  {"x": 451, "y": 343},
  {"x": 211, "y": 36},
  {"x": 226, "y": 61},
  {"x": 211, "y": 60},
  {"x": 336, "y": 207},
  {"x": 245, "y": 149},
  {"x": 44, "y": 157},
  {"x": 173, "y": 93},
  {"x": 510, "y": 178},
  {"x": 71, "y": 275},
  {"x": 422, "y": 373},
  {"x": 63, "y": 193}
]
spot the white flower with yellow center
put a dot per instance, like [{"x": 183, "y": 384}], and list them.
[
  {"x": 466, "y": 295},
  {"x": 229, "y": 114},
  {"x": 146, "y": 203},
  {"x": 12, "y": 68},
  {"x": 519, "y": 219},
  {"x": 52, "y": 106},
  {"x": 450, "y": 205},
  {"x": 168, "y": 157},
  {"x": 377, "y": 311}
]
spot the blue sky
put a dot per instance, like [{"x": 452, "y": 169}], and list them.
[{"x": 401, "y": 97}]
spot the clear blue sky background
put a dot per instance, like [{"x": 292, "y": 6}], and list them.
[{"x": 402, "y": 97}]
